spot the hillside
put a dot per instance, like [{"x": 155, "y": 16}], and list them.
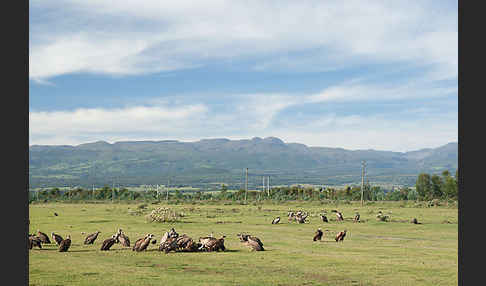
[{"x": 214, "y": 161}]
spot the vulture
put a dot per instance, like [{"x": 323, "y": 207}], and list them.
[
  {"x": 276, "y": 220},
  {"x": 143, "y": 245},
  {"x": 43, "y": 237},
  {"x": 154, "y": 241},
  {"x": 340, "y": 236},
  {"x": 65, "y": 244},
  {"x": 339, "y": 216},
  {"x": 109, "y": 242},
  {"x": 56, "y": 237},
  {"x": 169, "y": 244},
  {"x": 34, "y": 241},
  {"x": 182, "y": 241},
  {"x": 91, "y": 238},
  {"x": 55, "y": 214},
  {"x": 252, "y": 241},
  {"x": 137, "y": 243},
  {"x": 301, "y": 219},
  {"x": 192, "y": 246},
  {"x": 291, "y": 216},
  {"x": 318, "y": 235},
  {"x": 173, "y": 233},
  {"x": 356, "y": 217},
  {"x": 415, "y": 221},
  {"x": 216, "y": 244},
  {"x": 324, "y": 218},
  {"x": 170, "y": 234},
  {"x": 123, "y": 239},
  {"x": 205, "y": 241}
]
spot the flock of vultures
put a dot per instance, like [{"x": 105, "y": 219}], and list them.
[{"x": 172, "y": 241}]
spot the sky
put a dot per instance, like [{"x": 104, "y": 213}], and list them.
[{"x": 377, "y": 75}]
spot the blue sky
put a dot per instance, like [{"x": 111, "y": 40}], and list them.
[{"x": 351, "y": 74}]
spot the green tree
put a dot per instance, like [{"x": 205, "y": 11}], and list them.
[
  {"x": 436, "y": 187},
  {"x": 424, "y": 186},
  {"x": 449, "y": 186}
]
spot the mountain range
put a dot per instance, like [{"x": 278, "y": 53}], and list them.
[{"x": 211, "y": 162}]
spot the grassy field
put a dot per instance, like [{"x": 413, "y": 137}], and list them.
[{"x": 373, "y": 253}]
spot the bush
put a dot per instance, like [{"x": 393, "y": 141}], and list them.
[{"x": 163, "y": 214}]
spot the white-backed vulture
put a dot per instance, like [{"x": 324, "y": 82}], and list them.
[
  {"x": 339, "y": 216},
  {"x": 276, "y": 220},
  {"x": 143, "y": 246},
  {"x": 356, "y": 217},
  {"x": 215, "y": 244},
  {"x": 340, "y": 236},
  {"x": 65, "y": 244},
  {"x": 34, "y": 241},
  {"x": 123, "y": 239},
  {"x": 137, "y": 243},
  {"x": 251, "y": 241},
  {"x": 43, "y": 237},
  {"x": 317, "y": 235},
  {"x": 324, "y": 218},
  {"x": 108, "y": 243},
  {"x": 57, "y": 238},
  {"x": 91, "y": 238}
]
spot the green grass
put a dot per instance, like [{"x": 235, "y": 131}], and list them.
[{"x": 373, "y": 253}]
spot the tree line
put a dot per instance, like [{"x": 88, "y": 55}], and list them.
[{"x": 428, "y": 187}]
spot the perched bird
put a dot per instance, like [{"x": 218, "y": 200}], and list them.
[
  {"x": 182, "y": 241},
  {"x": 276, "y": 220},
  {"x": 139, "y": 242},
  {"x": 154, "y": 241},
  {"x": 55, "y": 214},
  {"x": 107, "y": 243},
  {"x": 317, "y": 235},
  {"x": 340, "y": 236},
  {"x": 145, "y": 243},
  {"x": 415, "y": 221},
  {"x": 169, "y": 244},
  {"x": 356, "y": 217},
  {"x": 216, "y": 244},
  {"x": 123, "y": 239},
  {"x": 34, "y": 241},
  {"x": 301, "y": 218},
  {"x": 291, "y": 216},
  {"x": 65, "y": 244},
  {"x": 324, "y": 218},
  {"x": 91, "y": 238},
  {"x": 43, "y": 237},
  {"x": 251, "y": 241},
  {"x": 255, "y": 243},
  {"x": 339, "y": 216},
  {"x": 56, "y": 237},
  {"x": 205, "y": 241}
]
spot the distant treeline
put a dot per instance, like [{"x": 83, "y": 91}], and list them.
[{"x": 428, "y": 187}]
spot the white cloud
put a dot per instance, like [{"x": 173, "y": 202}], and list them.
[
  {"x": 130, "y": 37},
  {"x": 110, "y": 124},
  {"x": 246, "y": 116}
]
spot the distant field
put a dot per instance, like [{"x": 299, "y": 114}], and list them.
[{"x": 373, "y": 253}]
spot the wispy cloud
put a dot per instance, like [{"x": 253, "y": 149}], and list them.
[{"x": 165, "y": 35}]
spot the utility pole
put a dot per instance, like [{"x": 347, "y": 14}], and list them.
[
  {"x": 167, "y": 196},
  {"x": 263, "y": 186},
  {"x": 246, "y": 184},
  {"x": 92, "y": 193},
  {"x": 363, "y": 166},
  {"x": 268, "y": 185}
]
